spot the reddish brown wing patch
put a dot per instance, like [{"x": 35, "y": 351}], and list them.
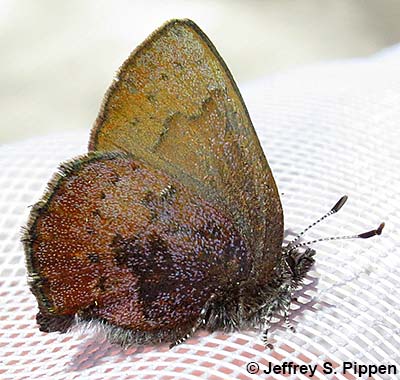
[{"x": 116, "y": 240}]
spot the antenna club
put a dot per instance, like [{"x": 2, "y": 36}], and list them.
[
  {"x": 369, "y": 234},
  {"x": 380, "y": 228},
  {"x": 339, "y": 204}
]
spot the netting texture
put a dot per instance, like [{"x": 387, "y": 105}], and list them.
[{"x": 327, "y": 130}]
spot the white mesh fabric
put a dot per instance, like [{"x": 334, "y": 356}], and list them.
[{"x": 327, "y": 130}]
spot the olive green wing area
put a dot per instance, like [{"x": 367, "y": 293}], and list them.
[{"x": 176, "y": 106}]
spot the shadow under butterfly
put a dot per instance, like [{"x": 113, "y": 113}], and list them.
[{"x": 172, "y": 222}]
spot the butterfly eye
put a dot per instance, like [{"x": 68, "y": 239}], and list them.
[{"x": 290, "y": 261}]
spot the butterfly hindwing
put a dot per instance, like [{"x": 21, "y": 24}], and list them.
[{"x": 118, "y": 241}]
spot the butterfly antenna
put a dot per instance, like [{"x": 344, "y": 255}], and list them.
[
  {"x": 364, "y": 235},
  {"x": 339, "y": 204}
]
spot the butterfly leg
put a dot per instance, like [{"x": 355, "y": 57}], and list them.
[
  {"x": 285, "y": 309},
  {"x": 288, "y": 323},
  {"x": 282, "y": 306},
  {"x": 267, "y": 325},
  {"x": 200, "y": 321}
]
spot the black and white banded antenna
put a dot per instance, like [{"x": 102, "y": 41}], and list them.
[
  {"x": 339, "y": 204},
  {"x": 364, "y": 235}
]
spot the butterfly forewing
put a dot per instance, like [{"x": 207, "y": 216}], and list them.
[{"x": 176, "y": 106}]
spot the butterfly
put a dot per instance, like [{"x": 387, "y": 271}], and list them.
[{"x": 172, "y": 221}]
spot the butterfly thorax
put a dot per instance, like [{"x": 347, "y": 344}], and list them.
[{"x": 249, "y": 303}]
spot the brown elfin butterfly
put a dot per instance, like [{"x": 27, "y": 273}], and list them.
[{"x": 172, "y": 222}]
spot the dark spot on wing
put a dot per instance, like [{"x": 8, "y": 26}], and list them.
[
  {"x": 115, "y": 178},
  {"x": 151, "y": 98},
  {"x": 93, "y": 257},
  {"x": 101, "y": 284}
]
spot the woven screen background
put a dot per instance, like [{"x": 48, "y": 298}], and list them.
[{"x": 327, "y": 130}]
